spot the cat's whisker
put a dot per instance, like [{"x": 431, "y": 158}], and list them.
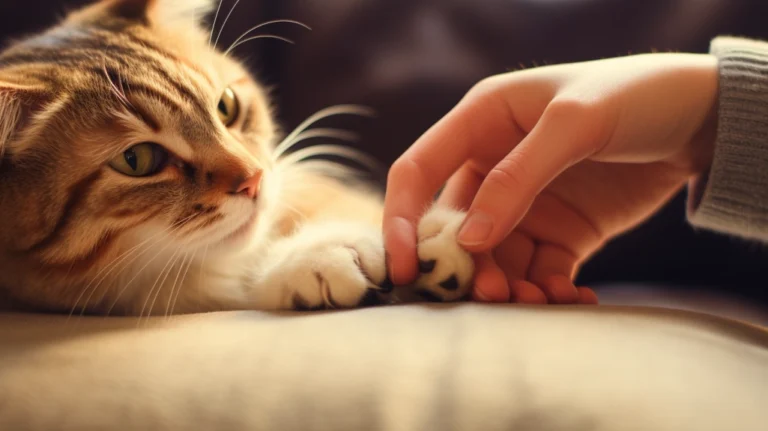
[
  {"x": 165, "y": 273},
  {"x": 175, "y": 282},
  {"x": 261, "y": 36},
  {"x": 158, "y": 237},
  {"x": 236, "y": 43},
  {"x": 127, "y": 284},
  {"x": 149, "y": 261},
  {"x": 200, "y": 276},
  {"x": 331, "y": 111},
  {"x": 111, "y": 266},
  {"x": 181, "y": 284},
  {"x": 213, "y": 24},
  {"x": 342, "y": 135},
  {"x": 199, "y": 234},
  {"x": 192, "y": 224},
  {"x": 327, "y": 168},
  {"x": 224, "y": 24},
  {"x": 169, "y": 266},
  {"x": 119, "y": 92},
  {"x": 331, "y": 150},
  {"x": 294, "y": 209},
  {"x": 161, "y": 275}
]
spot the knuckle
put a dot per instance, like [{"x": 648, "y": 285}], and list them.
[
  {"x": 507, "y": 177},
  {"x": 485, "y": 86},
  {"x": 403, "y": 168},
  {"x": 413, "y": 173},
  {"x": 395, "y": 170},
  {"x": 572, "y": 108},
  {"x": 586, "y": 118}
]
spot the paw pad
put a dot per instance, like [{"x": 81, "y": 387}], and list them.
[
  {"x": 452, "y": 283},
  {"x": 427, "y": 266}
]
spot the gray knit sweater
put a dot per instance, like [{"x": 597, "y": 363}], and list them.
[{"x": 733, "y": 196}]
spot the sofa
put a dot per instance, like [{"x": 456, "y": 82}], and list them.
[{"x": 417, "y": 367}]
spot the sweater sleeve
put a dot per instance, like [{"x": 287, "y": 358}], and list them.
[{"x": 732, "y": 197}]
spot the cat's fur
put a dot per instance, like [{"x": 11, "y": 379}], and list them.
[{"x": 77, "y": 235}]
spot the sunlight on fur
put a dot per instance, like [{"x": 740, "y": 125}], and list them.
[{"x": 142, "y": 174}]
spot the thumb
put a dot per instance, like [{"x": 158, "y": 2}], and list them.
[{"x": 558, "y": 141}]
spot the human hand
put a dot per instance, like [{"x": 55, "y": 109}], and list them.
[{"x": 551, "y": 163}]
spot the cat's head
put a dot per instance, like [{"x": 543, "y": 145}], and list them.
[{"x": 122, "y": 127}]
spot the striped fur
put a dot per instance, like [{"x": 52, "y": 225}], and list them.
[{"x": 77, "y": 236}]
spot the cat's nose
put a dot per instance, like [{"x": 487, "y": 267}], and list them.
[{"x": 250, "y": 187}]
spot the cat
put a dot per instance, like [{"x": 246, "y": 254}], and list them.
[{"x": 140, "y": 176}]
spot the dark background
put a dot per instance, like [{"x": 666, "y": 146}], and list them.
[{"x": 412, "y": 60}]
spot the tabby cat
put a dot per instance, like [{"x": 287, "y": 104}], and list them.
[{"x": 141, "y": 175}]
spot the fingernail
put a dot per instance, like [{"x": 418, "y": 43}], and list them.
[{"x": 476, "y": 229}]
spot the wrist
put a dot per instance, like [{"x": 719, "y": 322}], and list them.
[
  {"x": 703, "y": 142},
  {"x": 697, "y": 154}
]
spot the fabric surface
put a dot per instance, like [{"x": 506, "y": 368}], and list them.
[
  {"x": 450, "y": 367},
  {"x": 733, "y": 196}
]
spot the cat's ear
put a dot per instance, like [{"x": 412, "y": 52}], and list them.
[
  {"x": 161, "y": 12},
  {"x": 17, "y": 105}
]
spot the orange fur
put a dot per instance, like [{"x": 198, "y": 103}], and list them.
[{"x": 112, "y": 75}]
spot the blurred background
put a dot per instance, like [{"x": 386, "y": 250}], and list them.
[{"x": 412, "y": 60}]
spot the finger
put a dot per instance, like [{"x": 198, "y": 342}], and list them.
[
  {"x": 551, "y": 260},
  {"x": 525, "y": 292},
  {"x": 587, "y": 296},
  {"x": 514, "y": 255},
  {"x": 401, "y": 254},
  {"x": 559, "y": 289},
  {"x": 461, "y": 188},
  {"x": 481, "y": 120},
  {"x": 490, "y": 282},
  {"x": 552, "y": 220},
  {"x": 555, "y": 144}
]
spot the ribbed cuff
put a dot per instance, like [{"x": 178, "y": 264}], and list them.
[{"x": 733, "y": 196}]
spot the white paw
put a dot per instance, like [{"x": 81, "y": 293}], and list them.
[
  {"x": 331, "y": 266},
  {"x": 447, "y": 270}
]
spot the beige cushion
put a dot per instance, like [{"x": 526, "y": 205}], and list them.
[{"x": 461, "y": 367}]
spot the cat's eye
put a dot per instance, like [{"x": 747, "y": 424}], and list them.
[
  {"x": 228, "y": 108},
  {"x": 141, "y": 160}
]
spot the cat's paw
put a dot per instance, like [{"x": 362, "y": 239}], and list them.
[
  {"x": 447, "y": 270},
  {"x": 332, "y": 266}
]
